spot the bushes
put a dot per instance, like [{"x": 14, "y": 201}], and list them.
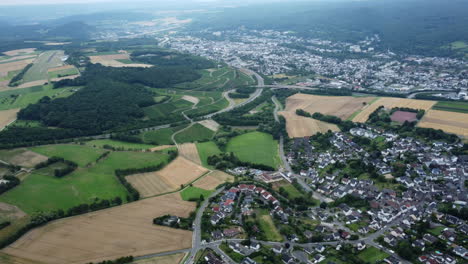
[
  {"x": 71, "y": 166},
  {"x": 122, "y": 260}
]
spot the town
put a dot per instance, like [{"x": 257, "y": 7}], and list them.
[{"x": 357, "y": 66}]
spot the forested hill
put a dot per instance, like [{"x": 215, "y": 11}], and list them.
[{"x": 410, "y": 26}]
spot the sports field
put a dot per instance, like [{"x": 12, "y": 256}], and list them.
[
  {"x": 42, "y": 192},
  {"x": 107, "y": 234},
  {"x": 255, "y": 147},
  {"x": 195, "y": 133}
]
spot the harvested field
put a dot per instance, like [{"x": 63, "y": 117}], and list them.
[
  {"x": 8, "y": 259},
  {"x": 22, "y": 157},
  {"x": 450, "y": 122},
  {"x": 15, "y": 65},
  {"x": 213, "y": 179},
  {"x": 191, "y": 99},
  {"x": 402, "y": 116},
  {"x": 57, "y": 43},
  {"x": 32, "y": 84},
  {"x": 19, "y": 52},
  {"x": 107, "y": 234},
  {"x": 111, "y": 61},
  {"x": 10, "y": 212},
  {"x": 389, "y": 103},
  {"x": 169, "y": 259},
  {"x": 299, "y": 126},
  {"x": 340, "y": 106},
  {"x": 180, "y": 171},
  {"x": 7, "y": 117},
  {"x": 18, "y": 58},
  {"x": 190, "y": 152},
  {"x": 158, "y": 148},
  {"x": 210, "y": 124}
]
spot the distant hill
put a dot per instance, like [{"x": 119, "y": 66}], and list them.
[
  {"x": 73, "y": 30},
  {"x": 412, "y": 26}
]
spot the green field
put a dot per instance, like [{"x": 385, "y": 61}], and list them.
[
  {"x": 46, "y": 60},
  {"x": 437, "y": 230},
  {"x": 81, "y": 155},
  {"x": 205, "y": 150},
  {"x": 20, "y": 98},
  {"x": 216, "y": 79},
  {"x": 460, "y": 107},
  {"x": 372, "y": 255},
  {"x": 195, "y": 133},
  {"x": 163, "y": 110},
  {"x": 292, "y": 191},
  {"x": 118, "y": 144},
  {"x": 459, "y": 45},
  {"x": 125, "y": 61},
  {"x": 209, "y": 108},
  {"x": 255, "y": 147},
  {"x": 193, "y": 193},
  {"x": 41, "y": 192},
  {"x": 160, "y": 136},
  {"x": 63, "y": 73},
  {"x": 268, "y": 227}
]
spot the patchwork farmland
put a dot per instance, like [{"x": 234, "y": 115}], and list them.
[
  {"x": 450, "y": 122},
  {"x": 107, "y": 234}
]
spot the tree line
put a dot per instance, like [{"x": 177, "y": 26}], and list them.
[
  {"x": 225, "y": 161},
  {"x": 71, "y": 166}
]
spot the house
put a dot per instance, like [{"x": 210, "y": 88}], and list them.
[
  {"x": 419, "y": 244},
  {"x": 248, "y": 260},
  {"x": 213, "y": 259},
  {"x": 320, "y": 248},
  {"x": 217, "y": 235},
  {"x": 345, "y": 235},
  {"x": 277, "y": 249},
  {"x": 255, "y": 246},
  {"x": 308, "y": 234},
  {"x": 430, "y": 239},
  {"x": 318, "y": 258},
  {"x": 461, "y": 251},
  {"x": 287, "y": 259},
  {"x": 361, "y": 246},
  {"x": 171, "y": 220},
  {"x": 235, "y": 247},
  {"x": 363, "y": 230},
  {"x": 231, "y": 232},
  {"x": 448, "y": 235},
  {"x": 392, "y": 260}
]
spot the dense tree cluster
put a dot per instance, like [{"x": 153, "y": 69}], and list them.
[
  {"x": 18, "y": 77},
  {"x": 225, "y": 161},
  {"x": 172, "y": 58},
  {"x": 184, "y": 222},
  {"x": 122, "y": 260},
  {"x": 100, "y": 106}
]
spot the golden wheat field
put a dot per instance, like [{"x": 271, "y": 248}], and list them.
[
  {"x": 213, "y": 179},
  {"x": 450, "y": 122},
  {"x": 190, "y": 152},
  {"x": 299, "y": 126},
  {"x": 180, "y": 171},
  {"x": 107, "y": 234}
]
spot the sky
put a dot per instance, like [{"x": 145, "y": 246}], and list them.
[{"x": 45, "y": 2}]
